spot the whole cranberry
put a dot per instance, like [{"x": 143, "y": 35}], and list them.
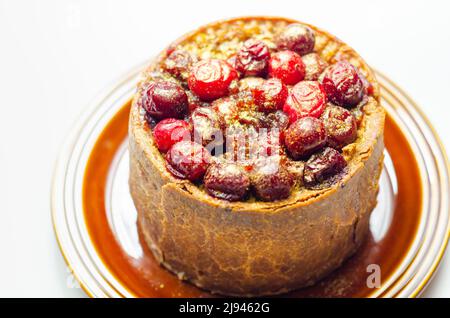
[
  {"x": 314, "y": 66},
  {"x": 270, "y": 96},
  {"x": 164, "y": 99},
  {"x": 178, "y": 63},
  {"x": 296, "y": 37},
  {"x": 211, "y": 79},
  {"x": 270, "y": 179},
  {"x": 304, "y": 137},
  {"x": 306, "y": 99},
  {"x": 287, "y": 66},
  {"x": 227, "y": 181},
  {"x": 252, "y": 58},
  {"x": 322, "y": 166},
  {"x": 169, "y": 131},
  {"x": 343, "y": 84},
  {"x": 340, "y": 125},
  {"x": 188, "y": 160},
  {"x": 206, "y": 125}
]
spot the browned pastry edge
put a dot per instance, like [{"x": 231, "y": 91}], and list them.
[{"x": 258, "y": 248}]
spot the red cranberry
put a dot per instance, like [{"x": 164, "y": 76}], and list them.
[
  {"x": 164, "y": 99},
  {"x": 178, "y": 63},
  {"x": 314, "y": 66},
  {"x": 252, "y": 58},
  {"x": 340, "y": 125},
  {"x": 206, "y": 125},
  {"x": 211, "y": 79},
  {"x": 188, "y": 160},
  {"x": 304, "y": 137},
  {"x": 270, "y": 179},
  {"x": 296, "y": 37},
  {"x": 307, "y": 98},
  {"x": 343, "y": 84},
  {"x": 323, "y": 165},
  {"x": 227, "y": 181},
  {"x": 270, "y": 96},
  {"x": 169, "y": 131},
  {"x": 287, "y": 66}
]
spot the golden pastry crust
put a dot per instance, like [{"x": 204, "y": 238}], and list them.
[{"x": 255, "y": 248}]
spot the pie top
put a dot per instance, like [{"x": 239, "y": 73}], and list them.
[{"x": 260, "y": 109}]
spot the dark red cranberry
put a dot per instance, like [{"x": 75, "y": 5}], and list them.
[
  {"x": 270, "y": 179},
  {"x": 314, "y": 66},
  {"x": 227, "y": 181},
  {"x": 252, "y": 58},
  {"x": 188, "y": 160},
  {"x": 287, "y": 66},
  {"x": 343, "y": 84},
  {"x": 306, "y": 99},
  {"x": 169, "y": 131},
  {"x": 296, "y": 37},
  {"x": 206, "y": 125},
  {"x": 323, "y": 165},
  {"x": 340, "y": 125},
  {"x": 211, "y": 79},
  {"x": 164, "y": 99},
  {"x": 304, "y": 137},
  {"x": 178, "y": 63},
  {"x": 270, "y": 96}
]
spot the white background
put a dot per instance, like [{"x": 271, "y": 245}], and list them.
[{"x": 55, "y": 56}]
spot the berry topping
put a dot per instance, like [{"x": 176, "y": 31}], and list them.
[
  {"x": 211, "y": 79},
  {"x": 296, "y": 37},
  {"x": 227, "y": 181},
  {"x": 343, "y": 84},
  {"x": 169, "y": 131},
  {"x": 314, "y": 66},
  {"x": 188, "y": 160},
  {"x": 207, "y": 126},
  {"x": 178, "y": 63},
  {"x": 307, "y": 98},
  {"x": 226, "y": 108},
  {"x": 271, "y": 95},
  {"x": 323, "y": 165},
  {"x": 277, "y": 120},
  {"x": 248, "y": 84},
  {"x": 304, "y": 137},
  {"x": 164, "y": 99},
  {"x": 270, "y": 179},
  {"x": 287, "y": 66},
  {"x": 252, "y": 58},
  {"x": 340, "y": 125}
]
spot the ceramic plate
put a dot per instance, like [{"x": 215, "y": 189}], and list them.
[{"x": 95, "y": 219}]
